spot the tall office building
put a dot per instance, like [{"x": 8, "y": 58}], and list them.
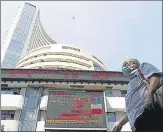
[
  {"x": 25, "y": 33},
  {"x": 28, "y": 46}
]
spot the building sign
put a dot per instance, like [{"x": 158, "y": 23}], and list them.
[
  {"x": 75, "y": 109},
  {"x": 62, "y": 75},
  {"x": 71, "y": 48}
]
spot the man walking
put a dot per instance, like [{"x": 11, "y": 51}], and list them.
[{"x": 143, "y": 114}]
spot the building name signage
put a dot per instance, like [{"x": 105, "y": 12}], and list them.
[{"x": 71, "y": 48}]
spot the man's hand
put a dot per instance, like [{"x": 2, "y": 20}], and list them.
[
  {"x": 117, "y": 128},
  {"x": 122, "y": 122}
]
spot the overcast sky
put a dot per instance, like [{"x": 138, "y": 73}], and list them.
[{"x": 113, "y": 31}]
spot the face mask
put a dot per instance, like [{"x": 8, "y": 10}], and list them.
[
  {"x": 135, "y": 72},
  {"x": 127, "y": 70}
]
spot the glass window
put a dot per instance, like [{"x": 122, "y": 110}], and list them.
[
  {"x": 123, "y": 93},
  {"x": 3, "y": 92},
  {"x": 108, "y": 93},
  {"x": 111, "y": 117},
  {"x": 97, "y": 68},
  {"x": 31, "y": 102},
  {"x": 28, "y": 126},
  {"x": 33, "y": 92},
  {"x": 19, "y": 35},
  {"x": 32, "y": 114},
  {"x": 14, "y": 91},
  {"x": 29, "y": 114},
  {"x": 11, "y": 113},
  {"x": 7, "y": 114}
]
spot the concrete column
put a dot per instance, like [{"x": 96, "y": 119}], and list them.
[
  {"x": 45, "y": 91},
  {"x": 42, "y": 115},
  {"x": 17, "y": 115},
  {"x": 22, "y": 92},
  {"x": 18, "y": 112}
]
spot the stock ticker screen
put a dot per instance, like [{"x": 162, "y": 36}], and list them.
[{"x": 75, "y": 109}]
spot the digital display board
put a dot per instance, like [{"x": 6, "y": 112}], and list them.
[
  {"x": 75, "y": 109},
  {"x": 62, "y": 75}
]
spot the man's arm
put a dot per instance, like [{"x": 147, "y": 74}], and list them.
[
  {"x": 121, "y": 123},
  {"x": 152, "y": 74},
  {"x": 154, "y": 81},
  {"x": 124, "y": 120}
]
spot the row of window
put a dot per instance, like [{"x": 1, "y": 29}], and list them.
[
  {"x": 30, "y": 109},
  {"x": 29, "y": 114},
  {"x": 58, "y": 68},
  {"x": 28, "y": 9},
  {"x": 35, "y": 37},
  {"x": 28, "y": 126},
  {"x": 9, "y": 61},
  {"x": 109, "y": 93},
  {"x": 15, "y": 91},
  {"x": 46, "y": 36},
  {"x": 51, "y": 67},
  {"x": 31, "y": 102},
  {"x": 35, "y": 41},
  {"x": 112, "y": 116},
  {"x": 57, "y": 60},
  {"x": 40, "y": 36},
  {"x": 31, "y": 92},
  {"x": 40, "y": 39},
  {"x": 15, "y": 53},
  {"x": 15, "y": 44},
  {"x": 32, "y": 38},
  {"x": 7, "y": 114},
  {"x": 51, "y": 53},
  {"x": 11, "y": 56},
  {"x": 18, "y": 38}
]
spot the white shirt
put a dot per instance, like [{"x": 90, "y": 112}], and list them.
[{"x": 136, "y": 92}]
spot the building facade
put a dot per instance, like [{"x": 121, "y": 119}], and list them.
[
  {"x": 60, "y": 56},
  {"x": 38, "y": 100},
  {"x": 26, "y": 33}
]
